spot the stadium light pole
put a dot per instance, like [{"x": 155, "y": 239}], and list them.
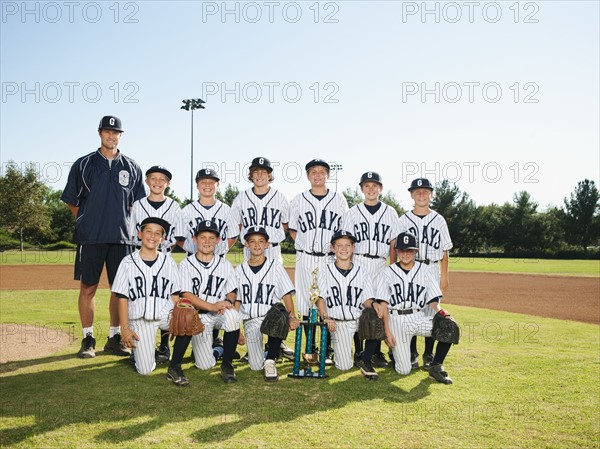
[{"x": 191, "y": 105}]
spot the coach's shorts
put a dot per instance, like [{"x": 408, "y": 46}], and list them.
[{"x": 90, "y": 260}]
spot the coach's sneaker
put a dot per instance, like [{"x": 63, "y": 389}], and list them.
[
  {"x": 227, "y": 372},
  {"x": 414, "y": 360},
  {"x": 379, "y": 360},
  {"x": 329, "y": 357},
  {"x": 366, "y": 369},
  {"x": 270, "y": 371},
  {"x": 357, "y": 358},
  {"x": 115, "y": 346},
  {"x": 162, "y": 354},
  {"x": 175, "y": 374},
  {"x": 427, "y": 361},
  {"x": 287, "y": 352},
  {"x": 244, "y": 359},
  {"x": 88, "y": 347},
  {"x": 436, "y": 372}
]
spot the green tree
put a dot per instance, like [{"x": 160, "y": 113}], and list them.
[
  {"x": 353, "y": 196},
  {"x": 581, "y": 210},
  {"x": 22, "y": 200},
  {"x": 390, "y": 199},
  {"x": 230, "y": 193},
  {"x": 171, "y": 194}
]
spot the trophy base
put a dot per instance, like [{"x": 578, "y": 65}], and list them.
[{"x": 303, "y": 374}]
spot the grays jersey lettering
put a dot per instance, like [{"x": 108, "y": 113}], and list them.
[
  {"x": 270, "y": 212},
  {"x": 193, "y": 214},
  {"x": 431, "y": 231},
  {"x": 149, "y": 289},
  {"x": 168, "y": 211},
  {"x": 316, "y": 220},
  {"x": 344, "y": 295},
  {"x": 209, "y": 282},
  {"x": 412, "y": 290},
  {"x": 373, "y": 232}
]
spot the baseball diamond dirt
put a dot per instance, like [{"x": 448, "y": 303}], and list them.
[{"x": 539, "y": 295}]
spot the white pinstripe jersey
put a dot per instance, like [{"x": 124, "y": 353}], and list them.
[
  {"x": 344, "y": 295},
  {"x": 209, "y": 282},
  {"x": 168, "y": 211},
  {"x": 431, "y": 231},
  {"x": 412, "y": 290},
  {"x": 270, "y": 212},
  {"x": 259, "y": 291},
  {"x": 316, "y": 220},
  {"x": 194, "y": 213},
  {"x": 149, "y": 289},
  {"x": 373, "y": 232}
]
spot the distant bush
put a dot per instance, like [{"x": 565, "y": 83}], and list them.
[{"x": 59, "y": 245}]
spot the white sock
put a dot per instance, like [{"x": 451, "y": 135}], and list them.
[
  {"x": 88, "y": 330},
  {"x": 114, "y": 330}
]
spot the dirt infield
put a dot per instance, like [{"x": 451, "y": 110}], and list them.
[{"x": 571, "y": 298}]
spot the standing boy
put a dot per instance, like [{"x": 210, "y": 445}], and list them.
[
  {"x": 100, "y": 191},
  {"x": 147, "y": 286},
  {"x": 262, "y": 283},
  {"x": 346, "y": 289},
  {"x": 208, "y": 281},
  {"x": 433, "y": 237}
]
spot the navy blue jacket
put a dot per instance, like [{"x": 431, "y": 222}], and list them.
[{"x": 104, "y": 195}]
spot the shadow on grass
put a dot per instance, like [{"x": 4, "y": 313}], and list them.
[{"x": 121, "y": 405}]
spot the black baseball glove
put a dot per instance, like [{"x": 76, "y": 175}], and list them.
[
  {"x": 445, "y": 328},
  {"x": 276, "y": 322},
  {"x": 370, "y": 326}
]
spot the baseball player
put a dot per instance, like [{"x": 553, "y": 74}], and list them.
[
  {"x": 375, "y": 226},
  {"x": 101, "y": 188},
  {"x": 406, "y": 288},
  {"x": 346, "y": 288},
  {"x": 207, "y": 208},
  {"x": 156, "y": 204},
  {"x": 208, "y": 281},
  {"x": 434, "y": 243},
  {"x": 147, "y": 286},
  {"x": 315, "y": 215},
  {"x": 261, "y": 283}
]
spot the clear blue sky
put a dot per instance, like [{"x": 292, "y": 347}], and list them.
[{"x": 497, "y": 96}]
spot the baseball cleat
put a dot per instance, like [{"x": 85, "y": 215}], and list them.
[
  {"x": 162, "y": 354},
  {"x": 88, "y": 347},
  {"x": 227, "y": 373},
  {"x": 244, "y": 359},
  {"x": 427, "y": 361},
  {"x": 379, "y": 360},
  {"x": 437, "y": 372},
  {"x": 115, "y": 346},
  {"x": 366, "y": 369},
  {"x": 414, "y": 360},
  {"x": 287, "y": 352},
  {"x": 329, "y": 358},
  {"x": 270, "y": 371},
  {"x": 175, "y": 374},
  {"x": 391, "y": 356}
]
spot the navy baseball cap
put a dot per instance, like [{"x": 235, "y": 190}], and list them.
[
  {"x": 341, "y": 234},
  {"x": 256, "y": 230},
  {"x": 420, "y": 183},
  {"x": 207, "y": 226},
  {"x": 261, "y": 162},
  {"x": 155, "y": 220},
  {"x": 207, "y": 173},
  {"x": 370, "y": 176},
  {"x": 110, "y": 122},
  {"x": 317, "y": 163},
  {"x": 159, "y": 169},
  {"x": 406, "y": 240}
]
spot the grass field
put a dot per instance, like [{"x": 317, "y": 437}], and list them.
[
  {"x": 520, "y": 381},
  {"x": 540, "y": 266}
]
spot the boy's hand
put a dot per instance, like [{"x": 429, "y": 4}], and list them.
[{"x": 128, "y": 337}]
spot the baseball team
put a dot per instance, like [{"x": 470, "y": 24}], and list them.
[{"x": 133, "y": 234}]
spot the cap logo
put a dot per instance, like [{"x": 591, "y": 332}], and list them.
[
  {"x": 207, "y": 171},
  {"x": 419, "y": 183},
  {"x": 207, "y": 223},
  {"x": 406, "y": 240},
  {"x": 112, "y": 121},
  {"x": 370, "y": 175},
  {"x": 261, "y": 161}
]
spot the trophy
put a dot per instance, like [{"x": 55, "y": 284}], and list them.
[{"x": 310, "y": 358}]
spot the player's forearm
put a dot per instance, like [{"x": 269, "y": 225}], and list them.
[
  {"x": 124, "y": 313},
  {"x": 197, "y": 302},
  {"x": 74, "y": 209},
  {"x": 322, "y": 308},
  {"x": 444, "y": 263},
  {"x": 435, "y": 305},
  {"x": 289, "y": 305},
  {"x": 393, "y": 254}
]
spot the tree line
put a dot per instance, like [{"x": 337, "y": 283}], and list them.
[{"x": 33, "y": 215}]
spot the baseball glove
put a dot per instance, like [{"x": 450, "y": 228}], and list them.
[
  {"x": 276, "y": 322},
  {"x": 370, "y": 326},
  {"x": 445, "y": 328},
  {"x": 184, "y": 319}
]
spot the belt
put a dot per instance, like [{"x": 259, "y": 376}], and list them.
[
  {"x": 368, "y": 256},
  {"x": 274, "y": 244},
  {"x": 315, "y": 254},
  {"x": 401, "y": 311},
  {"x": 427, "y": 261},
  {"x": 337, "y": 319}
]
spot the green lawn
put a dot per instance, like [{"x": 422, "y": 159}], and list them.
[
  {"x": 542, "y": 266},
  {"x": 520, "y": 381}
]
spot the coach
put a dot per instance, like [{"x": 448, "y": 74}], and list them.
[{"x": 100, "y": 191}]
